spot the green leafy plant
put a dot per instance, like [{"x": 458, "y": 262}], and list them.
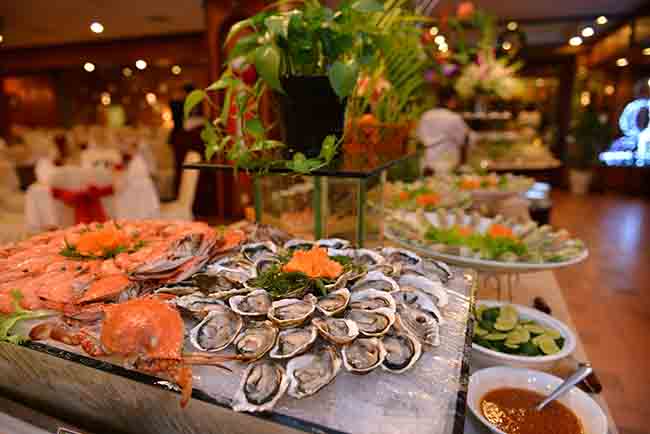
[
  {"x": 9, "y": 320},
  {"x": 369, "y": 50}
]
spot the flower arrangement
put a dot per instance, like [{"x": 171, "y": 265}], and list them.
[
  {"x": 489, "y": 76},
  {"x": 369, "y": 51}
]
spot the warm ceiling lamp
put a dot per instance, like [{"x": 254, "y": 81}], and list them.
[
  {"x": 433, "y": 31},
  {"x": 601, "y": 20},
  {"x": 507, "y": 45},
  {"x": 127, "y": 72},
  {"x": 646, "y": 51},
  {"x": 106, "y": 98},
  {"x": 1, "y": 39},
  {"x": 575, "y": 41},
  {"x": 588, "y": 32},
  {"x": 89, "y": 66},
  {"x": 151, "y": 98},
  {"x": 176, "y": 69},
  {"x": 622, "y": 62},
  {"x": 440, "y": 39},
  {"x": 610, "y": 89},
  {"x": 443, "y": 48},
  {"x": 140, "y": 64},
  {"x": 96, "y": 27},
  {"x": 512, "y": 26}
]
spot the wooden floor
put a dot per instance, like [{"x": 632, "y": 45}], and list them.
[{"x": 609, "y": 297}]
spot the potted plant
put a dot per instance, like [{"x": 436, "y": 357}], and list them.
[
  {"x": 590, "y": 134},
  {"x": 326, "y": 69}
]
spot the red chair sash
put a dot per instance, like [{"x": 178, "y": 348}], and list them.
[{"x": 86, "y": 203}]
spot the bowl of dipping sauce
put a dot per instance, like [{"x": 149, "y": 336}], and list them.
[{"x": 504, "y": 399}]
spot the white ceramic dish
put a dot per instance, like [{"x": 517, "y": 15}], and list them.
[
  {"x": 484, "y": 357},
  {"x": 591, "y": 416}
]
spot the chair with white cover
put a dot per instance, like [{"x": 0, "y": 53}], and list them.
[{"x": 181, "y": 208}]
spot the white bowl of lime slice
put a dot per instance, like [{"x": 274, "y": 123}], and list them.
[{"x": 520, "y": 337}]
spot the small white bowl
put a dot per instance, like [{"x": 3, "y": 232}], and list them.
[
  {"x": 484, "y": 357},
  {"x": 589, "y": 413}
]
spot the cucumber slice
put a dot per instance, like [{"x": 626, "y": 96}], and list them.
[
  {"x": 508, "y": 313},
  {"x": 548, "y": 347},
  {"x": 504, "y": 325},
  {"x": 495, "y": 337},
  {"x": 517, "y": 337},
  {"x": 535, "y": 329},
  {"x": 512, "y": 346}
]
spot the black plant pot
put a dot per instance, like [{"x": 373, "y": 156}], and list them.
[{"x": 309, "y": 111}]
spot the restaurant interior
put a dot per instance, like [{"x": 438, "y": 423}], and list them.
[{"x": 477, "y": 173}]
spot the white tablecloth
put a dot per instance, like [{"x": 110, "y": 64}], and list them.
[{"x": 135, "y": 198}]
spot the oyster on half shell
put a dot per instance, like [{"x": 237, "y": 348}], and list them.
[
  {"x": 311, "y": 372},
  {"x": 420, "y": 323},
  {"x": 401, "y": 257},
  {"x": 363, "y": 355},
  {"x": 402, "y": 351},
  {"x": 371, "y": 299},
  {"x": 262, "y": 385},
  {"x": 298, "y": 244},
  {"x": 334, "y": 302},
  {"x": 217, "y": 330},
  {"x": 254, "y": 251},
  {"x": 376, "y": 280},
  {"x": 336, "y": 330},
  {"x": 432, "y": 287},
  {"x": 294, "y": 341},
  {"x": 372, "y": 322},
  {"x": 257, "y": 303},
  {"x": 197, "y": 304},
  {"x": 256, "y": 340},
  {"x": 333, "y": 243},
  {"x": 291, "y": 311}
]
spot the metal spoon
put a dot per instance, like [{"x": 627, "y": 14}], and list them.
[{"x": 584, "y": 369}]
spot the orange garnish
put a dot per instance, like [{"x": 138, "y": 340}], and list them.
[
  {"x": 497, "y": 230},
  {"x": 470, "y": 184},
  {"x": 428, "y": 199},
  {"x": 99, "y": 241},
  {"x": 314, "y": 263},
  {"x": 403, "y": 195},
  {"x": 465, "y": 230}
]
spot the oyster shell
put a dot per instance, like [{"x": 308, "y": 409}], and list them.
[
  {"x": 404, "y": 258},
  {"x": 298, "y": 244},
  {"x": 363, "y": 355},
  {"x": 262, "y": 385},
  {"x": 290, "y": 311},
  {"x": 371, "y": 299},
  {"x": 218, "y": 278},
  {"x": 416, "y": 298},
  {"x": 198, "y": 305},
  {"x": 334, "y": 302},
  {"x": 336, "y": 330},
  {"x": 366, "y": 257},
  {"x": 424, "y": 284},
  {"x": 217, "y": 330},
  {"x": 264, "y": 263},
  {"x": 256, "y": 340},
  {"x": 402, "y": 352},
  {"x": 419, "y": 323},
  {"x": 376, "y": 280},
  {"x": 372, "y": 322},
  {"x": 294, "y": 341},
  {"x": 254, "y": 251},
  {"x": 178, "y": 289},
  {"x": 333, "y": 243},
  {"x": 236, "y": 262},
  {"x": 257, "y": 303},
  {"x": 311, "y": 372}
]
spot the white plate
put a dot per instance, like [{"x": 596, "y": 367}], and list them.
[
  {"x": 583, "y": 406},
  {"x": 485, "y": 357}
]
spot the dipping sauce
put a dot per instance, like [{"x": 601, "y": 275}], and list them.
[{"x": 513, "y": 411}]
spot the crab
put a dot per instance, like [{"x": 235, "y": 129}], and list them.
[{"x": 146, "y": 331}]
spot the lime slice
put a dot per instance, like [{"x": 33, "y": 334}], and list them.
[
  {"x": 508, "y": 313},
  {"x": 537, "y": 340},
  {"x": 534, "y": 329},
  {"x": 511, "y": 346},
  {"x": 504, "y": 325},
  {"x": 495, "y": 337},
  {"x": 478, "y": 331},
  {"x": 517, "y": 337},
  {"x": 548, "y": 346},
  {"x": 554, "y": 334},
  {"x": 478, "y": 311}
]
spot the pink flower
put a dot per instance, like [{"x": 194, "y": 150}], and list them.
[
  {"x": 465, "y": 10},
  {"x": 381, "y": 85}
]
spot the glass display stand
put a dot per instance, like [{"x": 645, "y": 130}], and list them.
[{"x": 328, "y": 202}]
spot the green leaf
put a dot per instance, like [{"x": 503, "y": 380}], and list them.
[
  {"x": 222, "y": 83},
  {"x": 368, "y": 6},
  {"x": 244, "y": 46},
  {"x": 237, "y": 27},
  {"x": 343, "y": 77},
  {"x": 277, "y": 25},
  {"x": 255, "y": 127},
  {"x": 267, "y": 64},
  {"x": 328, "y": 148},
  {"x": 194, "y": 98}
]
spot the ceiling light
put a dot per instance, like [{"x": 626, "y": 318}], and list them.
[
  {"x": 151, "y": 98},
  {"x": 1, "y": 39},
  {"x": 106, "y": 98},
  {"x": 176, "y": 70},
  {"x": 585, "y": 99},
  {"x": 512, "y": 26},
  {"x": 127, "y": 72},
  {"x": 622, "y": 62},
  {"x": 140, "y": 64},
  {"x": 610, "y": 89},
  {"x": 649, "y": 82},
  {"x": 89, "y": 67},
  {"x": 601, "y": 20},
  {"x": 96, "y": 27},
  {"x": 433, "y": 31},
  {"x": 575, "y": 41},
  {"x": 507, "y": 45},
  {"x": 588, "y": 32},
  {"x": 646, "y": 51},
  {"x": 443, "y": 47},
  {"x": 440, "y": 39}
]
